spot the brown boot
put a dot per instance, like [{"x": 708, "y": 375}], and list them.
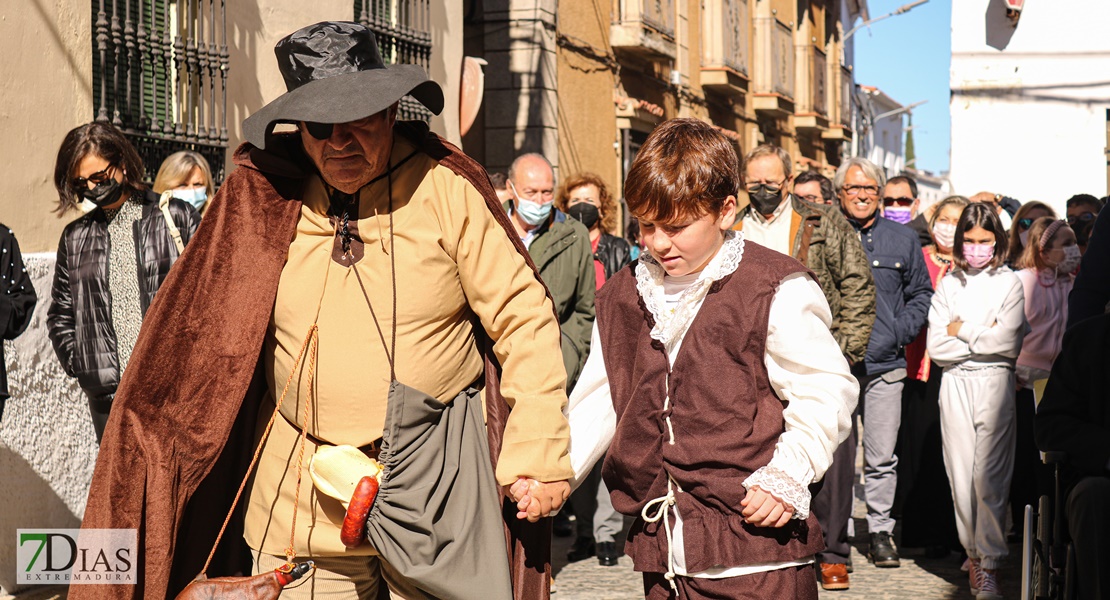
[{"x": 834, "y": 576}]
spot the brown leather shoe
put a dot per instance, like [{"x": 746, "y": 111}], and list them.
[{"x": 834, "y": 576}]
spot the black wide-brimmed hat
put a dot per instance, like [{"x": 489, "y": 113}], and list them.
[{"x": 335, "y": 74}]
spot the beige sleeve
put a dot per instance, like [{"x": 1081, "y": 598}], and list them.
[{"x": 519, "y": 318}]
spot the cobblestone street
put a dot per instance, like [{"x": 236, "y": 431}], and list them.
[{"x": 918, "y": 578}]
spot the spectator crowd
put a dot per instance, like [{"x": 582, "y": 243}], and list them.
[{"x": 729, "y": 333}]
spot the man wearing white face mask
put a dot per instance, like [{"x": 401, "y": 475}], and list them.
[{"x": 562, "y": 253}]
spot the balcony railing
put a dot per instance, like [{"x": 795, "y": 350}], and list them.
[
  {"x": 644, "y": 27},
  {"x": 404, "y": 32},
  {"x": 725, "y": 41},
  {"x": 819, "y": 83},
  {"x": 774, "y": 68}
]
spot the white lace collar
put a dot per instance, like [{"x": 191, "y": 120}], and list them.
[{"x": 671, "y": 324}]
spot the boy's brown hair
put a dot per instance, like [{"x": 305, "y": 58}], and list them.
[{"x": 685, "y": 168}]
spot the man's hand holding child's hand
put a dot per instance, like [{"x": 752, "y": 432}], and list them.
[{"x": 535, "y": 499}]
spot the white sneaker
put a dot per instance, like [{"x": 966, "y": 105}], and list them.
[{"x": 989, "y": 588}]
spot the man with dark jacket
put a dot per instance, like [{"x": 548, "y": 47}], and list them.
[
  {"x": 1073, "y": 418},
  {"x": 17, "y": 300},
  {"x": 562, "y": 253},
  {"x": 902, "y": 305}
]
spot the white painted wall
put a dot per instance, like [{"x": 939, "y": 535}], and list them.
[
  {"x": 886, "y": 141},
  {"x": 1029, "y": 103},
  {"x": 47, "y": 445}
]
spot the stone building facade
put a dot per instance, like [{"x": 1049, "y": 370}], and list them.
[{"x": 585, "y": 81}]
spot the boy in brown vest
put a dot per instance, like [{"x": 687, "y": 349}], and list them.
[{"x": 714, "y": 384}]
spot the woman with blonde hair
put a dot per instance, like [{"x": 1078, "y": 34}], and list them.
[
  {"x": 1050, "y": 258},
  {"x": 585, "y": 197},
  {"x": 187, "y": 175},
  {"x": 1023, "y": 220}
]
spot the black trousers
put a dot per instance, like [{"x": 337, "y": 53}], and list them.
[
  {"x": 99, "y": 409},
  {"x": 923, "y": 501},
  {"x": 1032, "y": 478},
  {"x": 832, "y": 505},
  {"x": 583, "y": 503},
  {"x": 1088, "y": 512}
]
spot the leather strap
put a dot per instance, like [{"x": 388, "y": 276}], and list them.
[
  {"x": 175, "y": 233},
  {"x": 807, "y": 235}
]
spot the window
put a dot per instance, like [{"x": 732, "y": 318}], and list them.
[
  {"x": 404, "y": 33},
  {"x": 160, "y": 74}
]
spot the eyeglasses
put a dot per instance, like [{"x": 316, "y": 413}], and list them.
[
  {"x": 814, "y": 198},
  {"x": 767, "y": 186},
  {"x": 1081, "y": 218},
  {"x": 80, "y": 184},
  {"x": 855, "y": 190},
  {"x": 1025, "y": 223}
]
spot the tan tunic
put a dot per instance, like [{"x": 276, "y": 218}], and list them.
[{"x": 454, "y": 262}]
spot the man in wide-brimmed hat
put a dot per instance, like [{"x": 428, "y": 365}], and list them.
[{"x": 357, "y": 282}]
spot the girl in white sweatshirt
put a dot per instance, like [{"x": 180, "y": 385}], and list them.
[{"x": 976, "y": 326}]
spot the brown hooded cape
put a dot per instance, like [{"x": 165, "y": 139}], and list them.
[{"x": 181, "y": 429}]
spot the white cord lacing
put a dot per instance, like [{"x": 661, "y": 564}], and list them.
[{"x": 662, "y": 504}]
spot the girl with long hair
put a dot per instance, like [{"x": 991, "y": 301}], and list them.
[{"x": 976, "y": 326}]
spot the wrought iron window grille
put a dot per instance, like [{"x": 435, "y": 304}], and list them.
[
  {"x": 160, "y": 74},
  {"x": 404, "y": 33}
]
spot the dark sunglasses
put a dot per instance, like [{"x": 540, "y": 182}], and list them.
[
  {"x": 80, "y": 184},
  {"x": 1082, "y": 218},
  {"x": 1025, "y": 223},
  {"x": 320, "y": 131},
  {"x": 897, "y": 200}
]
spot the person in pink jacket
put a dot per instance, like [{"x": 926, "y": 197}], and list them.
[{"x": 1047, "y": 263}]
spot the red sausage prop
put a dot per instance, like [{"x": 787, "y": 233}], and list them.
[{"x": 353, "y": 532}]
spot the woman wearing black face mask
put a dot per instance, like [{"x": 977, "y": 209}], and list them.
[
  {"x": 585, "y": 197},
  {"x": 111, "y": 260}
]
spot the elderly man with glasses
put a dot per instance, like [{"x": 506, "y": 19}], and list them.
[
  {"x": 821, "y": 238},
  {"x": 902, "y": 304}
]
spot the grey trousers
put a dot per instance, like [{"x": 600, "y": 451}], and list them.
[
  {"x": 594, "y": 514},
  {"x": 1088, "y": 512},
  {"x": 881, "y": 408}
]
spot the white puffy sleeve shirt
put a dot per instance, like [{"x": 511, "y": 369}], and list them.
[{"x": 806, "y": 370}]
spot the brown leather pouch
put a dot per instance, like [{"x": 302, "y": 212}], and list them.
[{"x": 265, "y": 586}]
